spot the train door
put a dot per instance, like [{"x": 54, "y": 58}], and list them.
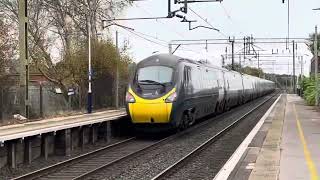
[
  {"x": 221, "y": 85},
  {"x": 187, "y": 85},
  {"x": 225, "y": 88}
]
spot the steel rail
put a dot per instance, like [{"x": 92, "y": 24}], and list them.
[
  {"x": 199, "y": 149},
  {"x": 69, "y": 162}
]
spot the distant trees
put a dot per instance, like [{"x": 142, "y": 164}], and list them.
[
  {"x": 253, "y": 71},
  {"x": 308, "y": 83},
  {"x": 310, "y": 44},
  {"x": 246, "y": 70},
  {"x": 58, "y": 38}
]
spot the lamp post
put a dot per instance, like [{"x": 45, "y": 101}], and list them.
[
  {"x": 89, "y": 104},
  {"x": 288, "y": 24},
  {"x": 316, "y": 62}
]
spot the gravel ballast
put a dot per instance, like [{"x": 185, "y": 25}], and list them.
[{"x": 208, "y": 162}]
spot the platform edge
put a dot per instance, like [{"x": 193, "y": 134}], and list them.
[{"x": 229, "y": 166}]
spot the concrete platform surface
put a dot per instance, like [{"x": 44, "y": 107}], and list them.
[
  {"x": 287, "y": 146},
  {"x": 300, "y": 146},
  {"x": 17, "y": 131}
]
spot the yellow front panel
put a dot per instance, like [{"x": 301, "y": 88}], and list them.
[
  {"x": 143, "y": 113},
  {"x": 143, "y": 110}
]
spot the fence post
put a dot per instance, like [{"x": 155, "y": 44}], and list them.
[
  {"x": 41, "y": 100},
  {"x": 1, "y": 103}
]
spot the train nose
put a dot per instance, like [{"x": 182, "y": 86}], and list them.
[
  {"x": 143, "y": 110},
  {"x": 150, "y": 112}
]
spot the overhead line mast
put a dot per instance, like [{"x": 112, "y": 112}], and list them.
[{"x": 24, "y": 62}]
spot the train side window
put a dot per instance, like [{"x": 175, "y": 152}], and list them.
[{"x": 187, "y": 75}]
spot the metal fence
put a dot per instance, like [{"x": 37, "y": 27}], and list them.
[
  {"x": 46, "y": 102},
  {"x": 43, "y": 102}
]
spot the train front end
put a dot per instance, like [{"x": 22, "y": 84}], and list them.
[{"x": 152, "y": 92}]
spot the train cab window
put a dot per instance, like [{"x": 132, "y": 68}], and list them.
[{"x": 156, "y": 74}]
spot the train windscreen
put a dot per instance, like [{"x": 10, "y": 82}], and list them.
[{"x": 155, "y": 74}]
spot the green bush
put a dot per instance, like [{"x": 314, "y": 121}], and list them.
[{"x": 309, "y": 90}]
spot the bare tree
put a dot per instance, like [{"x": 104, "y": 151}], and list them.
[
  {"x": 7, "y": 49},
  {"x": 60, "y": 24}
]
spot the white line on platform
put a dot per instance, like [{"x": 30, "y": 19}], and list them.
[{"x": 226, "y": 170}]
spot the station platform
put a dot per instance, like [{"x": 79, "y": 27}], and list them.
[
  {"x": 17, "y": 131},
  {"x": 23, "y": 143},
  {"x": 285, "y": 145}
]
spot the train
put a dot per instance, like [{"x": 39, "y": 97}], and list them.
[{"x": 171, "y": 92}]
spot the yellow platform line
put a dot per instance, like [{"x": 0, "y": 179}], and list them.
[{"x": 312, "y": 168}]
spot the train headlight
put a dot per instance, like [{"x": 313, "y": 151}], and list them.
[
  {"x": 130, "y": 98},
  {"x": 171, "y": 98}
]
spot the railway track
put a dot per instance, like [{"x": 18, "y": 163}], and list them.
[
  {"x": 167, "y": 173},
  {"x": 87, "y": 165},
  {"x": 75, "y": 167}
]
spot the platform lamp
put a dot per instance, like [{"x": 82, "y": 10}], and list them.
[{"x": 89, "y": 98}]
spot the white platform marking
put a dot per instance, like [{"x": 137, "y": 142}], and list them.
[{"x": 226, "y": 170}]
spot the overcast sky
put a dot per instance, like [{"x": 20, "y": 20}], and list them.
[{"x": 237, "y": 18}]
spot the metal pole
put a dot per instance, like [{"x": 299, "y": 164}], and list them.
[
  {"x": 244, "y": 49},
  {"x": 294, "y": 67},
  {"x": 316, "y": 65},
  {"x": 24, "y": 63},
  {"x": 226, "y": 59},
  {"x": 258, "y": 61},
  {"x": 41, "y": 100},
  {"x": 287, "y": 77},
  {"x": 301, "y": 79},
  {"x": 301, "y": 65},
  {"x": 288, "y": 26},
  {"x": 286, "y": 83},
  {"x": 288, "y": 20},
  {"x": 117, "y": 72},
  {"x": 89, "y": 108},
  {"x": 232, "y": 52},
  {"x": 169, "y": 9},
  {"x": 240, "y": 63},
  {"x": 1, "y": 103},
  {"x": 206, "y": 51}
]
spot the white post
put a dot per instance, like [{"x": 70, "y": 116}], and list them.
[
  {"x": 89, "y": 108},
  {"x": 316, "y": 65}
]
